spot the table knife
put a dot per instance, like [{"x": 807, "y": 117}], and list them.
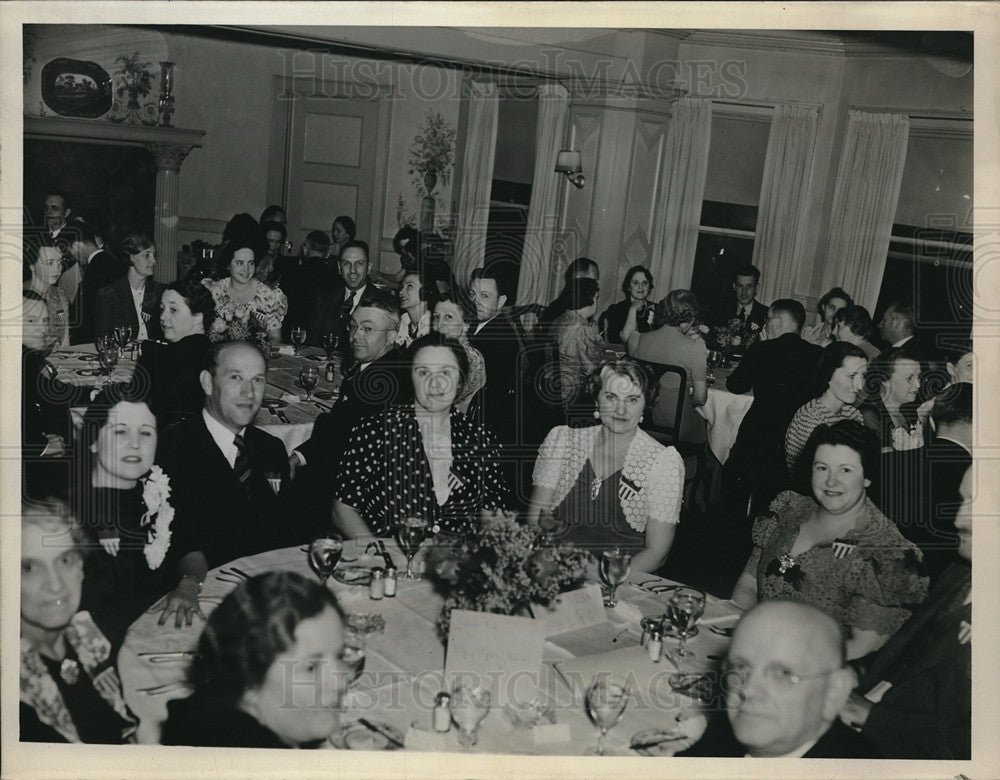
[{"x": 380, "y": 731}]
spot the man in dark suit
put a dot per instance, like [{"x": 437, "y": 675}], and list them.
[
  {"x": 742, "y": 305},
  {"x": 780, "y": 372},
  {"x": 302, "y": 284},
  {"x": 226, "y": 476},
  {"x": 914, "y": 700},
  {"x": 783, "y": 697},
  {"x": 99, "y": 270},
  {"x": 378, "y": 377}
]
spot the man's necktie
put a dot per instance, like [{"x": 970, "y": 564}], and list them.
[
  {"x": 414, "y": 327},
  {"x": 242, "y": 466},
  {"x": 349, "y": 302},
  {"x": 743, "y": 316}
]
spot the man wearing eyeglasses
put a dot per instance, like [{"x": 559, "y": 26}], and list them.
[{"x": 785, "y": 682}]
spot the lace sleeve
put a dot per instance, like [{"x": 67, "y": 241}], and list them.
[
  {"x": 551, "y": 458},
  {"x": 665, "y": 489},
  {"x": 274, "y": 306},
  {"x": 888, "y": 587}
]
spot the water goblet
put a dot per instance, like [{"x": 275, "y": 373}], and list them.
[
  {"x": 324, "y": 555},
  {"x": 330, "y": 343},
  {"x": 615, "y": 567},
  {"x": 410, "y": 534},
  {"x": 109, "y": 359},
  {"x": 606, "y": 700},
  {"x": 469, "y": 705},
  {"x": 684, "y": 610},
  {"x": 308, "y": 378},
  {"x": 298, "y": 338}
]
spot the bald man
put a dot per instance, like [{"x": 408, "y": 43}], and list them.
[{"x": 785, "y": 683}]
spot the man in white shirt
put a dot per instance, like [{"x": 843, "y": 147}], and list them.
[{"x": 785, "y": 684}]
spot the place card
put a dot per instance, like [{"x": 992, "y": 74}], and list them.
[
  {"x": 572, "y": 611},
  {"x": 498, "y": 652}
]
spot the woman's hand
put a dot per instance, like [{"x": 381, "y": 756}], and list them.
[
  {"x": 182, "y": 601},
  {"x": 856, "y": 711},
  {"x": 111, "y": 546}
]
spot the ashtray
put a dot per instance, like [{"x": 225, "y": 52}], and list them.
[
  {"x": 693, "y": 685},
  {"x": 531, "y": 713},
  {"x": 365, "y": 623},
  {"x": 323, "y": 395},
  {"x": 353, "y": 575}
]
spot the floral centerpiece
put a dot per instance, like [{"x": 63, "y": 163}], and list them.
[
  {"x": 432, "y": 153},
  {"x": 503, "y": 567},
  {"x": 736, "y": 337}
]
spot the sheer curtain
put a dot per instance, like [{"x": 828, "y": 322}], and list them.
[
  {"x": 553, "y": 111},
  {"x": 681, "y": 189},
  {"x": 864, "y": 201},
  {"x": 477, "y": 179},
  {"x": 784, "y": 196}
]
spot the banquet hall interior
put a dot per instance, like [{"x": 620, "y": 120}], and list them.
[{"x": 659, "y": 210}]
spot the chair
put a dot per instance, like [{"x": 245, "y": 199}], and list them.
[{"x": 670, "y": 434}]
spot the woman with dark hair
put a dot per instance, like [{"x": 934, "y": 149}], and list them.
[
  {"x": 959, "y": 362},
  {"x": 678, "y": 343},
  {"x": 123, "y": 500},
  {"x": 581, "y": 349},
  {"x": 246, "y": 308},
  {"x": 342, "y": 230},
  {"x": 451, "y": 318},
  {"x": 419, "y": 293},
  {"x": 611, "y": 485},
  {"x": 635, "y": 313},
  {"x": 834, "y": 549},
  {"x": 69, "y": 687},
  {"x": 840, "y": 379},
  {"x": 425, "y": 459},
  {"x": 42, "y": 269},
  {"x": 170, "y": 371},
  {"x": 133, "y": 301},
  {"x": 272, "y": 629},
  {"x": 853, "y": 324},
  {"x": 581, "y": 268},
  {"x": 267, "y": 269},
  {"x": 833, "y": 301},
  {"x": 893, "y": 382}
]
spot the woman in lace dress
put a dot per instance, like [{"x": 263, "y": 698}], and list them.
[
  {"x": 246, "y": 308},
  {"x": 611, "y": 485}
]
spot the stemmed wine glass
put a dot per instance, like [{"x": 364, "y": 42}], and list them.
[
  {"x": 615, "y": 567},
  {"x": 469, "y": 705},
  {"x": 410, "y": 534},
  {"x": 684, "y": 610},
  {"x": 330, "y": 343},
  {"x": 606, "y": 701},
  {"x": 324, "y": 555},
  {"x": 308, "y": 378},
  {"x": 109, "y": 359},
  {"x": 298, "y": 338},
  {"x": 123, "y": 335}
]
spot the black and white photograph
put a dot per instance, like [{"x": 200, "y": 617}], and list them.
[{"x": 481, "y": 389}]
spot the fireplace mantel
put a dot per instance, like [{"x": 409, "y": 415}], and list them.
[{"x": 169, "y": 147}]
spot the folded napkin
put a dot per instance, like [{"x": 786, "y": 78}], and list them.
[
  {"x": 286, "y": 349},
  {"x": 288, "y": 398}
]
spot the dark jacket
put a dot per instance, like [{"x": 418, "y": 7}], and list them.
[
  {"x": 202, "y": 720},
  {"x": 45, "y": 402},
  {"x": 330, "y": 315},
  {"x": 838, "y": 742},
  {"x": 214, "y": 513},
  {"x": 302, "y": 285},
  {"x": 500, "y": 347},
  {"x": 172, "y": 370},
  {"x": 927, "y": 713},
  {"x": 722, "y": 313},
  {"x": 116, "y": 308},
  {"x": 613, "y": 319},
  {"x": 102, "y": 270}
]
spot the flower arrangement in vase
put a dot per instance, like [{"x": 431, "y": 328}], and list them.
[
  {"x": 135, "y": 81},
  {"x": 736, "y": 337},
  {"x": 432, "y": 154}
]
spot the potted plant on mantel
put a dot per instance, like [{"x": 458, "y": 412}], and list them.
[{"x": 432, "y": 155}]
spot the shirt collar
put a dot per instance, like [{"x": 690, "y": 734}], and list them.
[
  {"x": 356, "y": 293},
  {"x": 901, "y": 342},
  {"x": 223, "y": 437},
  {"x": 798, "y": 752}
]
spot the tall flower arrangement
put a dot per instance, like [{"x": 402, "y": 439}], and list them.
[{"x": 432, "y": 153}]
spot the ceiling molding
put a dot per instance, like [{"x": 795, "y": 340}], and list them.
[{"x": 798, "y": 42}]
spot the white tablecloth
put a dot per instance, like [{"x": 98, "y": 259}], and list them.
[{"x": 724, "y": 412}]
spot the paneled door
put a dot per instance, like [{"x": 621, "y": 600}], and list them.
[{"x": 330, "y": 171}]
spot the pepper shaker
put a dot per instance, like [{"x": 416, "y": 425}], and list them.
[
  {"x": 390, "y": 582},
  {"x": 441, "y": 717},
  {"x": 376, "y": 589},
  {"x": 655, "y": 646}
]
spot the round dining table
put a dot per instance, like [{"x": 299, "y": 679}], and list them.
[{"x": 405, "y": 662}]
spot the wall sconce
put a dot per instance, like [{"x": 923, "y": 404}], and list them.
[{"x": 568, "y": 162}]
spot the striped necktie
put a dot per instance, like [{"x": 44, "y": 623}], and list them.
[
  {"x": 349, "y": 301},
  {"x": 242, "y": 466}
]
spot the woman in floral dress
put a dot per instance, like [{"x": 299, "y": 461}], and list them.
[{"x": 247, "y": 309}]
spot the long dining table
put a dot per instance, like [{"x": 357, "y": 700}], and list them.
[{"x": 403, "y": 670}]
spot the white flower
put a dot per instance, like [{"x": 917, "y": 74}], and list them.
[
  {"x": 903, "y": 439},
  {"x": 754, "y": 327},
  {"x": 155, "y": 492}
]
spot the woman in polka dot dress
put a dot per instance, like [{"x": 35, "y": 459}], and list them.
[{"x": 425, "y": 459}]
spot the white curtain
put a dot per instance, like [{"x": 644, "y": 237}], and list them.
[
  {"x": 681, "y": 190},
  {"x": 784, "y": 197},
  {"x": 553, "y": 112},
  {"x": 864, "y": 201},
  {"x": 477, "y": 179}
]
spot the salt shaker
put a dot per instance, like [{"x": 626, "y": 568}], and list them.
[
  {"x": 376, "y": 589},
  {"x": 441, "y": 716},
  {"x": 655, "y": 646},
  {"x": 330, "y": 374},
  {"x": 390, "y": 582}
]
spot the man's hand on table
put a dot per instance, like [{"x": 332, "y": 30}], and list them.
[
  {"x": 856, "y": 711},
  {"x": 182, "y": 601}
]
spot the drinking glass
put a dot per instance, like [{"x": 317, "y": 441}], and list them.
[
  {"x": 324, "y": 555},
  {"x": 469, "y": 705},
  {"x": 714, "y": 358},
  {"x": 330, "y": 343},
  {"x": 352, "y": 655},
  {"x": 298, "y": 338},
  {"x": 684, "y": 610},
  {"x": 615, "y": 567},
  {"x": 410, "y": 534},
  {"x": 308, "y": 377},
  {"x": 606, "y": 701},
  {"x": 109, "y": 359}
]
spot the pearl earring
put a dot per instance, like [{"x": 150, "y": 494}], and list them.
[{"x": 597, "y": 414}]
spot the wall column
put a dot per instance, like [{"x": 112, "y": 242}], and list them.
[{"x": 168, "y": 158}]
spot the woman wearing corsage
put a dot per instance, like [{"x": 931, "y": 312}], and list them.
[
  {"x": 69, "y": 688},
  {"x": 125, "y": 501},
  {"x": 836, "y": 550},
  {"x": 611, "y": 485}
]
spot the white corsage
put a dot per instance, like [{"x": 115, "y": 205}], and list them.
[
  {"x": 907, "y": 439},
  {"x": 159, "y": 514},
  {"x": 754, "y": 327}
]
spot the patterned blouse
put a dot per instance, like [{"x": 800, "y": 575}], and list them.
[
  {"x": 652, "y": 477},
  {"x": 806, "y": 420},
  {"x": 874, "y": 584},
  {"x": 386, "y": 477},
  {"x": 263, "y": 312},
  {"x": 476, "y": 380},
  {"x": 581, "y": 350}
]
